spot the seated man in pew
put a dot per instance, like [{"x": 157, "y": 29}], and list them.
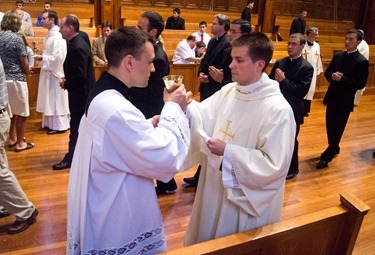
[
  {"x": 185, "y": 53},
  {"x": 97, "y": 50},
  {"x": 47, "y": 6},
  {"x": 175, "y": 21}
]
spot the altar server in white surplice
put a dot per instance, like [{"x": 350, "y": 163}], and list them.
[
  {"x": 311, "y": 53},
  {"x": 52, "y": 101},
  {"x": 246, "y": 155},
  {"x": 364, "y": 49},
  {"x": 112, "y": 203}
]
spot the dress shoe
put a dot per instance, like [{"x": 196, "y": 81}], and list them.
[
  {"x": 321, "y": 164},
  {"x": 4, "y": 214},
  {"x": 292, "y": 175},
  {"x": 160, "y": 191},
  {"x": 53, "y": 132},
  {"x": 62, "y": 165},
  {"x": 19, "y": 226},
  {"x": 373, "y": 154},
  {"x": 191, "y": 181}
]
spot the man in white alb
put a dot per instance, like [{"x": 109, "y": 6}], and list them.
[
  {"x": 311, "y": 53},
  {"x": 244, "y": 163},
  {"x": 112, "y": 203},
  {"x": 52, "y": 100}
]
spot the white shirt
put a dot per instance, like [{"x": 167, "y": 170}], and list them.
[
  {"x": 312, "y": 55},
  {"x": 182, "y": 53},
  {"x": 206, "y": 37}
]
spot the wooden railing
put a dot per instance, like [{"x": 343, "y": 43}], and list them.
[{"x": 331, "y": 231}]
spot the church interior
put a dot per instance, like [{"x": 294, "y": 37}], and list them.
[{"x": 311, "y": 199}]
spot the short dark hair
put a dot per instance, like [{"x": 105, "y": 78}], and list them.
[
  {"x": 245, "y": 25},
  {"x": 203, "y": 23},
  {"x": 155, "y": 20},
  {"x": 200, "y": 44},
  {"x": 52, "y": 15},
  {"x": 301, "y": 37},
  {"x": 72, "y": 20},
  {"x": 124, "y": 41},
  {"x": 356, "y": 31},
  {"x": 190, "y": 38},
  {"x": 177, "y": 10},
  {"x": 259, "y": 46},
  {"x": 20, "y": 2},
  {"x": 249, "y": 2},
  {"x": 48, "y": 2},
  {"x": 106, "y": 24},
  {"x": 223, "y": 20}
]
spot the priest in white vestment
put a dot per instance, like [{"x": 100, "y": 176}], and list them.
[
  {"x": 248, "y": 129},
  {"x": 52, "y": 101},
  {"x": 112, "y": 203},
  {"x": 311, "y": 53}
]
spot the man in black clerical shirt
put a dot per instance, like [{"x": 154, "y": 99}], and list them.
[
  {"x": 347, "y": 72},
  {"x": 175, "y": 21},
  {"x": 294, "y": 75},
  {"x": 299, "y": 24}
]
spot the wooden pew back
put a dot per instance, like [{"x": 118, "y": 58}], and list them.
[
  {"x": 329, "y": 31},
  {"x": 332, "y": 231}
]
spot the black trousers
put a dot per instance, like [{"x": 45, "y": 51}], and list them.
[
  {"x": 293, "y": 168},
  {"x": 336, "y": 120}
]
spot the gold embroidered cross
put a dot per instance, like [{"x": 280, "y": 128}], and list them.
[
  {"x": 316, "y": 54},
  {"x": 305, "y": 54},
  {"x": 226, "y": 133}
]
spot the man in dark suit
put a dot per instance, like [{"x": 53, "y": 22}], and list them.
[
  {"x": 175, "y": 21},
  {"x": 79, "y": 79},
  {"x": 299, "y": 24},
  {"x": 149, "y": 100},
  {"x": 347, "y": 72},
  {"x": 211, "y": 61},
  {"x": 246, "y": 12},
  {"x": 294, "y": 75}
]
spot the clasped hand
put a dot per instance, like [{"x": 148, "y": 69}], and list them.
[{"x": 177, "y": 93}]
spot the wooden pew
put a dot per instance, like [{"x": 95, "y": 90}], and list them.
[
  {"x": 328, "y": 30},
  {"x": 43, "y": 32},
  {"x": 332, "y": 231}
]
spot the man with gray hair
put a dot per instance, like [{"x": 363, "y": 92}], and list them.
[{"x": 212, "y": 59}]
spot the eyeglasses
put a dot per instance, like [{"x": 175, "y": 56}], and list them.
[
  {"x": 293, "y": 44},
  {"x": 234, "y": 31}
]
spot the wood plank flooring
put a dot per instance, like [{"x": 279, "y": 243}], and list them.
[{"x": 353, "y": 170}]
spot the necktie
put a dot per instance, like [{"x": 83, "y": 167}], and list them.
[{"x": 202, "y": 37}]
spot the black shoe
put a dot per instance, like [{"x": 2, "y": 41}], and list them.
[
  {"x": 306, "y": 114},
  {"x": 160, "y": 191},
  {"x": 292, "y": 175},
  {"x": 373, "y": 154},
  {"x": 52, "y": 132},
  {"x": 321, "y": 164},
  {"x": 19, "y": 226},
  {"x": 62, "y": 165},
  {"x": 4, "y": 214},
  {"x": 191, "y": 181}
]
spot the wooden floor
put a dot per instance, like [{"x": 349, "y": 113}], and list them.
[{"x": 312, "y": 190}]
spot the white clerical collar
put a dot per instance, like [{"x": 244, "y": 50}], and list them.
[
  {"x": 253, "y": 87},
  {"x": 292, "y": 59},
  {"x": 351, "y": 51},
  {"x": 55, "y": 28}
]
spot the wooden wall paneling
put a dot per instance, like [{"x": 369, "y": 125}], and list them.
[
  {"x": 176, "y": 3},
  {"x": 237, "y": 6},
  {"x": 161, "y": 3},
  {"x": 128, "y": 2},
  {"x": 220, "y": 5},
  {"x": 193, "y": 4},
  {"x": 145, "y": 2},
  {"x": 204, "y": 4}
]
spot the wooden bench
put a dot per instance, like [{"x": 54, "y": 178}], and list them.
[
  {"x": 329, "y": 31},
  {"x": 130, "y": 15},
  {"x": 43, "y": 32},
  {"x": 331, "y": 231}
]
